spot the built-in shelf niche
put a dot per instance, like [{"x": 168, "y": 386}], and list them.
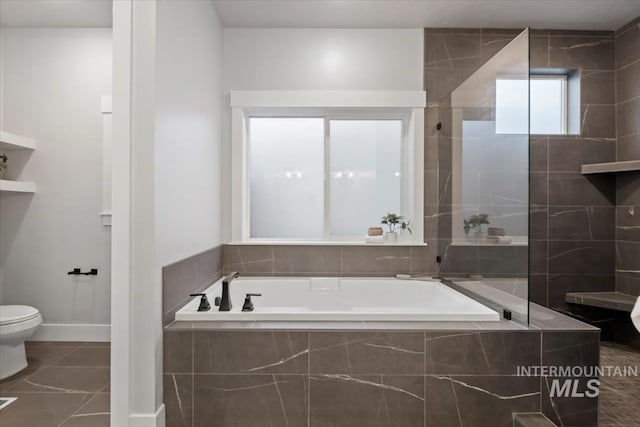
[
  {"x": 611, "y": 167},
  {"x": 9, "y": 142}
]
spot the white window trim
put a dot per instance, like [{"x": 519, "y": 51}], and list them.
[{"x": 364, "y": 104}]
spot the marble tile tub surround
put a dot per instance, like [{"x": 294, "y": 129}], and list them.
[
  {"x": 627, "y": 54},
  {"x": 382, "y": 378},
  {"x": 308, "y": 260},
  {"x": 190, "y": 275}
]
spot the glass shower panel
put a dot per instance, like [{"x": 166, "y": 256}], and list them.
[{"x": 489, "y": 200}]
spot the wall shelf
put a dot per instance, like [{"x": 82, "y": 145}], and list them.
[
  {"x": 611, "y": 167},
  {"x": 10, "y": 141},
  {"x": 17, "y": 186}
]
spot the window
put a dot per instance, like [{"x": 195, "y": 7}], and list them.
[
  {"x": 547, "y": 105},
  {"x": 318, "y": 178},
  {"x": 320, "y": 167}
]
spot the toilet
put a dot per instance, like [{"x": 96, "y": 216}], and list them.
[{"x": 17, "y": 324}]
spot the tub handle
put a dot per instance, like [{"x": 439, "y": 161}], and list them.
[
  {"x": 248, "y": 304},
  {"x": 204, "y": 302}
]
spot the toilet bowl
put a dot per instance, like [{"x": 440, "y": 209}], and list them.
[{"x": 17, "y": 324}]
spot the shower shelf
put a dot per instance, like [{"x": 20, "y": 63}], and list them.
[
  {"x": 10, "y": 141},
  {"x": 17, "y": 186},
  {"x": 611, "y": 167}
]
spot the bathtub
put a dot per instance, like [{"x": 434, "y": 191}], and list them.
[{"x": 340, "y": 299}]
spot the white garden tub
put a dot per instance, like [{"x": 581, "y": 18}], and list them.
[{"x": 340, "y": 299}]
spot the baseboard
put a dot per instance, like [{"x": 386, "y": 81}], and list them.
[
  {"x": 148, "y": 420},
  {"x": 72, "y": 332}
]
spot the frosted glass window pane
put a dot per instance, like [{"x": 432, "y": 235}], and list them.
[
  {"x": 547, "y": 109},
  {"x": 365, "y": 179},
  {"x": 512, "y": 111},
  {"x": 286, "y": 162},
  {"x": 547, "y": 106}
]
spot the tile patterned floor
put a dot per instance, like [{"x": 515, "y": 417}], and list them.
[
  {"x": 619, "y": 396},
  {"x": 65, "y": 385}
]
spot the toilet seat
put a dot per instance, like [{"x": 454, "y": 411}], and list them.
[{"x": 12, "y": 314}]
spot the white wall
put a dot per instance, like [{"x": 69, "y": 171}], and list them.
[
  {"x": 52, "y": 81},
  {"x": 323, "y": 59},
  {"x": 188, "y": 129},
  {"x": 166, "y": 179},
  {"x": 315, "y": 59}
]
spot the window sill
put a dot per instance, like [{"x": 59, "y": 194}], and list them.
[
  {"x": 321, "y": 243},
  {"x": 461, "y": 243}
]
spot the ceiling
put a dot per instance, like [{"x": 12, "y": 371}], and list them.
[
  {"x": 546, "y": 14},
  {"x": 55, "y": 13},
  {"x": 559, "y": 14}
]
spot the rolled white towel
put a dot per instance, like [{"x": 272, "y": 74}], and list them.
[{"x": 635, "y": 315}]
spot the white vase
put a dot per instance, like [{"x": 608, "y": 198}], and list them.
[{"x": 391, "y": 237}]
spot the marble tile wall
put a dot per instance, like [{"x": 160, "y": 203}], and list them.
[
  {"x": 572, "y": 217},
  {"x": 190, "y": 275},
  {"x": 319, "y": 260},
  {"x": 627, "y": 55},
  {"x": 373, "y": 378},
  {"x": 451, "y": 56}
]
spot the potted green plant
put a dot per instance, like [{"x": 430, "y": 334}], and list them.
[
  {"x": 475, "y": 222},
  {"x": 3, "y": 164},
  {"x": 394, "y": 222}
]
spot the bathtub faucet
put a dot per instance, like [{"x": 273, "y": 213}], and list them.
[{"x": 225, "y": 302}]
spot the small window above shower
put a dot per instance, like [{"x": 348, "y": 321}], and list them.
[{"x": 554, "y": 104}]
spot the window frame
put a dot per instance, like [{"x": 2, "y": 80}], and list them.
[
  {"x": 329, "y": 115},
  {"x": 406, "y": 105}
]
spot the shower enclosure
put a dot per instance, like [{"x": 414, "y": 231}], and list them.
[{"x": 482, "y": 148}]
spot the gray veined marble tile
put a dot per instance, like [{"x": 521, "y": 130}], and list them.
[
  {"x": 481, "y": 353},
  {"x": 377, "y": 260},
  {"x": 580, "y": 257},
  {"x": 453, "y": 51},
  {"x": 65, "y": 380},
  {"x": 178, "y": 280},
  {"x": 253, "y": 351},
  {"x": 627, "y": 49},
  {"x": 42, "y": 409},
  {"x": 178, "y": 399},
  {"x": 208, "y": 267},
  {"x": 568, "y": 154},
  {"x": 308, "y": 259},
  {"x": 250, "y": 400},
  {"x": 569, "y": 411},
  {"x": 628, "y": 82},
  {"x": 366, "y": 353},
  {"x": 177, "y": 352},
  {"x": 586, "y": 52},
  {"x": 582, "y": 222},
  {"x": 628, "y": 117},
  {"x": 571, "y": 348},
  {"x": 248, "y": 259},
  {"x": 628, "y": 147},
  {"x": 597, "y": 87},
  {"x": 479, "y": 400},
  {"x": 87, "y": 356},
  {"x": 366, "y": 400},
  {"x": 598, "y": 121}
]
